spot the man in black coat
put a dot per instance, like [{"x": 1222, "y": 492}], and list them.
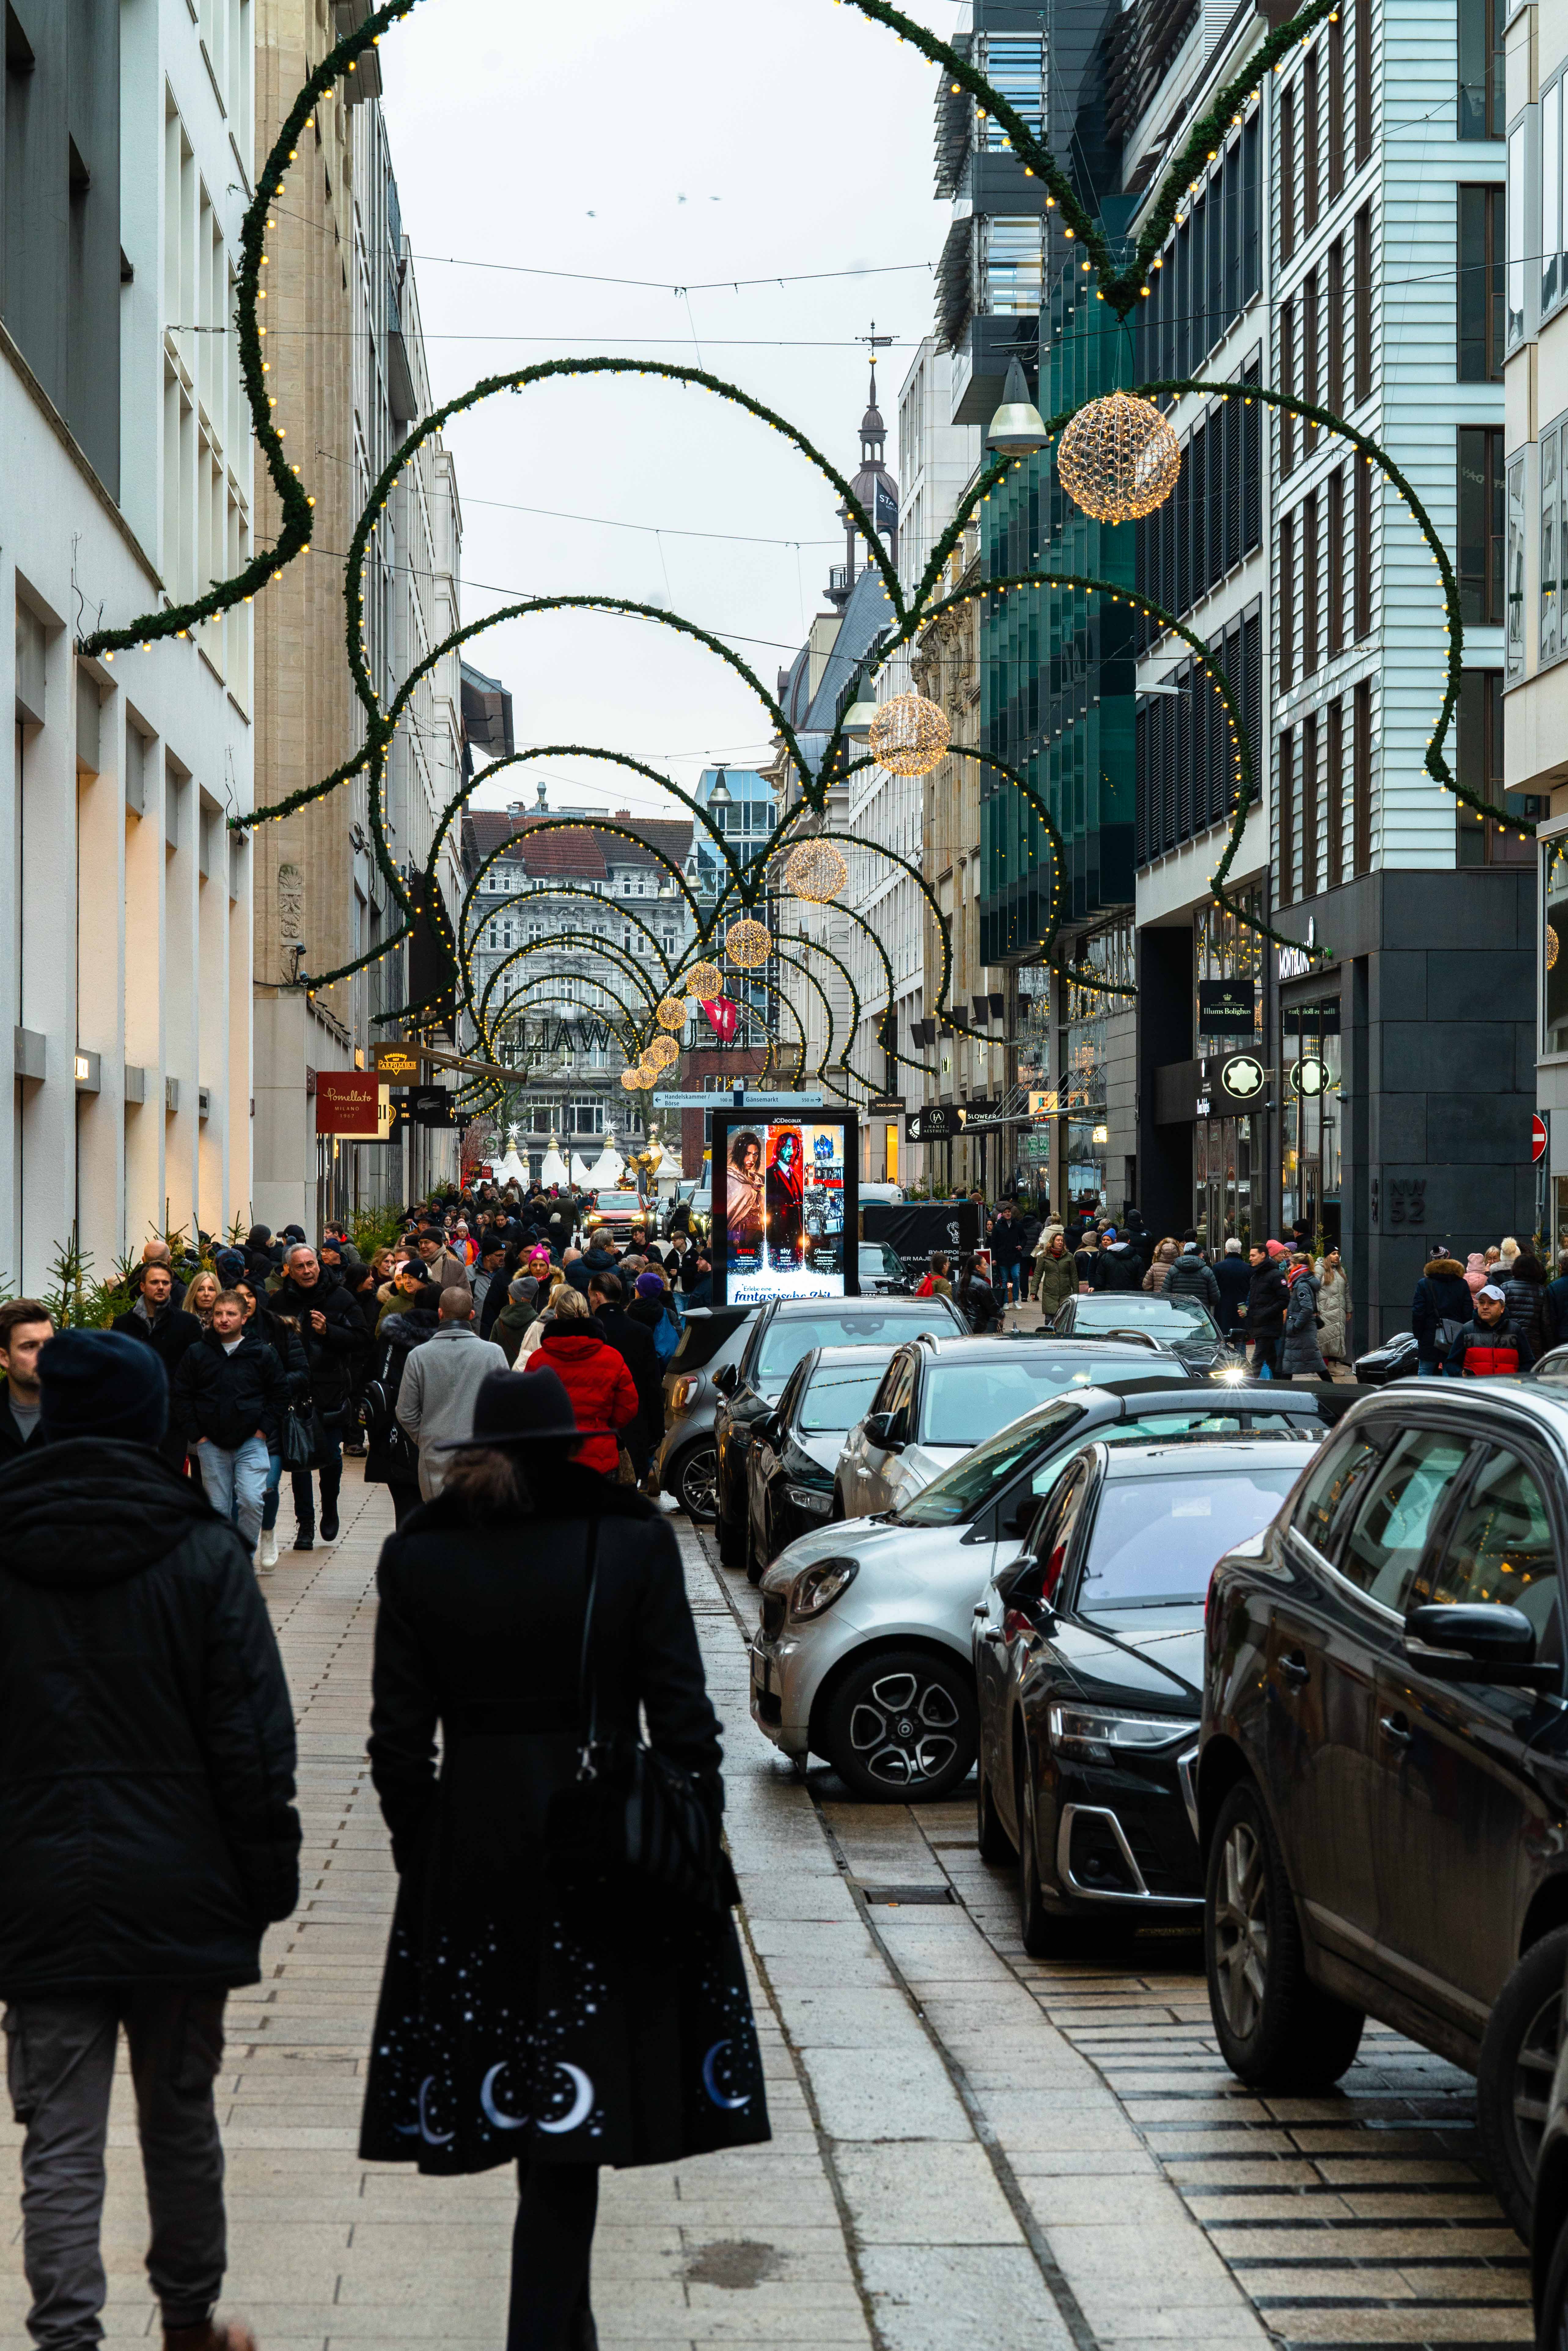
[
  {"x": 25, "y": 1329},
  {"x": 230, "y": 1396},
  {"x": 1267, "y": 1293},
  {"x": 1233, "y": 1277},
  {"x": 145, "y": 1906},
  {"x": 168, "y": 1329},
  {"x": 633, "y": 1341},
  {"x": 1115, "y": 1267},
  {"x": 332, "y": 1332}
]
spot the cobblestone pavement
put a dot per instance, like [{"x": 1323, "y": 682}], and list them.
[{"x": 971, "y": 2149}]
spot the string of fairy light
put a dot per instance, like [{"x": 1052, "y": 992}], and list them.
[{"x": 1117, "y": 448}]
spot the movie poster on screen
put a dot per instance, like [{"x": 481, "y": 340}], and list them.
[{"x": 782, "y": 1202}]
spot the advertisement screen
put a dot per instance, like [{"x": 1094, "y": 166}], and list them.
[{"x": 781, "y": 1208}]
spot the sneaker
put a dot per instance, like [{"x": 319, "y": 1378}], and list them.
[
  {"x": 209, "y": 2336},
  {"x": 267, "y": 1557},
  {"x": 305, "y": 1539},
  {"x": 328, "y": 1526}
]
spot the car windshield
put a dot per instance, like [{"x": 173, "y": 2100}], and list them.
[
  {"x": 959, "y": 1492},
  {"x": 788, "y": 1337},
  {"x": 1184, "y": 1318},
  {"x": 966, "y": 1402},
  {"x": 1156, "y": 1539},
  {"x": 877, "y": 1263},
  {"x": 840, "y": 1394}
]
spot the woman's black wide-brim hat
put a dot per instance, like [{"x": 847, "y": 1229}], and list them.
[{"x": 518, "y": 1408}]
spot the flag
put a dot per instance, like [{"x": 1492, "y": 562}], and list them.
[{"x": 722, "y": 1014}]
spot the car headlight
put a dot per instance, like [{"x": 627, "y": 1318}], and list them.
[
  {"x": 817, "y": 1586},
  {"x": 1094, "y": 1731},
  {"x": 811, "y": 1497}
]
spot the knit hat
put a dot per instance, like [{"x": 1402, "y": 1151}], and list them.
[
  {"x": 102, "y": 1383},
  {"x": 1275, "y": 1248},
  {"x": 650, "y": 1285},
  {"x": 228, "y": 1265},
  {"x": 523, "y": 1289}
]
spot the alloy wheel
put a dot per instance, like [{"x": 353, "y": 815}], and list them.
[
  {"x": 1532, "y": 2071},
  {"x": 1241, "y": 1930},
  {"x": 904, "y": 1729},
  {"x": 698, "y": 1483}
]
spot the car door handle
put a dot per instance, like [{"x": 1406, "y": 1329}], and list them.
[
  {"x": 1294, "y": 1668},
  {"x": 1395, "y": 1727}
]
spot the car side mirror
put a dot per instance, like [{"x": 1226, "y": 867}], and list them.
[
  {"x": 882, "y": 1429},
  {"x": 1460, "y": 1643},
  {"x": 725, "y": 1377}
]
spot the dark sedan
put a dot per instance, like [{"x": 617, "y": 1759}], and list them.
[
  {"x": 785, "y": 1330},
  {"x": 1183, "y": 1324},
  {"x": 1088, "y": 1669},
  {"x": 1384, "y": 1771},
  {"x": 795, "y": 1448}
]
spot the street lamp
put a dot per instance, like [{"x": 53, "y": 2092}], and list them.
[
  {"x": 721, "y": 796},
  {"x": 859, "y": 717},
  {"x": 1018, "y": 428}
]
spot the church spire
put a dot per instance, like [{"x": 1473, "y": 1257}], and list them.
[{"x": 874, "y": 486}]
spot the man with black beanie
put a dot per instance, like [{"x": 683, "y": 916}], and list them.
[{"x": 144, "y": 1906}]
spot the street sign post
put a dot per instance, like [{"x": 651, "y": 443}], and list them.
[
  {"x": 1539, "y": 1137},
  {"x": 805, "y": 1100}
]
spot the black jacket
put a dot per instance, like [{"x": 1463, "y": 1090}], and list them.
[
  {"x": 1265, "y": 1295},
  {"x": 1442, "y": 1295},
  {"x": 593, "y": 1261},
  {"x": 227, "y": 1398},
  {"x": 12, "y": 1444},
  {"x": 1116, "y": 1268},
  {"x": 1233, "y": 1277},
  {"x": 633, "y": 1341},
  {"x": 1007, "y": 1241},
  {"x": 333, "y": 1353},
  {"x": 147, "y": 1824},
  {"x": 1190, "y": 1277},
  {"x": 171, "y": 1332},
  {"x": 1526, "y": 1310}
]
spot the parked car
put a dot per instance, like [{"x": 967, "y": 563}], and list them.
[
  {"x": 1384, "y": 1768},
  {"x": 1088, "y": 1657},
  {"x": 1396, "y": 1359},
  {"x": 795, "y": 1448},
  {"x": 942, "y": 1397},
  {"x": 881, "y": 1270},
  {"x": 877, "y": 1614},
  {"x": 1548, "y": 2237},
  {"x": 785, "y": 1330},
  {"x": 711, "y": 1340},
  {"x": 1184, "y": 1324}
]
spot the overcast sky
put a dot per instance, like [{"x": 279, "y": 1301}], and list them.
[{"x": 680, "y": 142}]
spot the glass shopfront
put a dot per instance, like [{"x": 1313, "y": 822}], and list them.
[
  {"x": 1554, "y": 945},
  {"x": 1228, "y": 1160},
  {"x": 1310, "y": 1120},
  {"x": 1110, "y": 952}
]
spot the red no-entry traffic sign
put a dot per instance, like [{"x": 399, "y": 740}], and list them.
[{"x": 1537, "y": 1136}]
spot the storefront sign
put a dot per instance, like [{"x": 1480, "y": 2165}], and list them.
[
  {"x": 940, "y": 1121},
  {"x": 430, "y": 1106},
  {"x": 1242, "y": 1078},
  {"x": 396, "y": 1066},
  {"x": 1295, "y": 963},
  {"x": 348, "y": 1102},
  {"x": 1226, "y": 1008},
  {"x": 1310, "y": 1076}
]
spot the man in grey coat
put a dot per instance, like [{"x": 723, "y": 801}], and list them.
[{"x": 439, "y": 1381}]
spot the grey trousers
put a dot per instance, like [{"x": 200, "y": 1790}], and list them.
[{"x": 60, "y": 2054}]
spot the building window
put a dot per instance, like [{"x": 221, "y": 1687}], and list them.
[
  {"x": 1363, "y": 106},
  {"x": 1550, "y": 549},
  {"x": 1336, "y": 107},
  {"x": 1012, "y": 265},
  {"x": 1312, "y": 786},
  {"x": 1554, "y": 945},
  {"x": 1481, "y": 68},
  {"x": 1482, "y": 840},
  {"x": 1335, "y": 402},
  {"x": 1362, "y": 301},
  {"x": 1310, "y": 377},
  {"x": 1288, "y": 386},
  {"x": 1361, "y": 777},
  {"x": 1310, "y": 143},
  {"x": 1551, "y": 192},
  {"x": 1310, "y": 585},
  {"x": 1285, "y": 790},
  {"x": 1287, "y": 173},
  {"x": 1362, "y": 550},
  {"x": 1335, "y": 794},
  {"x": 1336, "y": 563},
  {"x": 1513, "y": 642},
  {"x": 1481, "y": 525},
  {"x": 1483, "y": 258},
  {"x": 1227, "y": 948},
  {"x": 1286, "y": 588},
  {"x": 1516, "y": 235}
]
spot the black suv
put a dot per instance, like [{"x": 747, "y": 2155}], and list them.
[
  {"x": 786, "y": 1328},
  {"x": 1383, "y": 1774}
]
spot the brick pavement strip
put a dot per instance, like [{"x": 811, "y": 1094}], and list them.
[{"x": 951, "y": 2166}]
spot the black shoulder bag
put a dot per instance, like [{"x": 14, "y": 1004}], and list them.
[{"x": 631, "y": 1821}]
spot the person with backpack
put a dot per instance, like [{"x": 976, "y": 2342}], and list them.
[
  {"x": 1438, "y": 1311},
  {"x": 936, "y": 1282},
  {"x": 652, "y": 1306}
]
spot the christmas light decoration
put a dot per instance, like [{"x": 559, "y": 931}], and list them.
[
  {"x": 704, "y": 982},
  {"x": 816, "y": 871},
  {"x": 1119, "y": 458},
  {"x": 662, "y": 1052},
  {"x": 909, "y": 735},
  {"x": 748, "y": 945},
  {"x": 672, "y": 1012}
]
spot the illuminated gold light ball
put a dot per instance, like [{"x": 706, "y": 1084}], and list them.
[
  {"x": 816, "y": 871},
  {"x": 662, "y": 1052},
  {"x": 747, "y": 943},
  {"x": 1119, "y": 458},
  {"x": 705, "y": 981},
  {"x": 1552, "y": 947},
  {"x": 909, "y": 736},
  {"x": 672, "y": 1012},
  {"x": 631, "y": 1080}
]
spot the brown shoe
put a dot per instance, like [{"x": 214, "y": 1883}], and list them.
[{"x": 209, "y": 2336}]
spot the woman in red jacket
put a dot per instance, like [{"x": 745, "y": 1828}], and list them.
[{"x": 594, "y": 1374}]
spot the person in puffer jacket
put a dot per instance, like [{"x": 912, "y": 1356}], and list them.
[
  {"x": 604, "y": 1395},
  {"x": 1117, "y": 1267},
  {"x": 1190, "y": 1277},
  {"x": 1524, "y": 1295},
  {"x": 1300, "y": 1356},
  {"x": 1489, "y": 1347},
  {"x": 1442, "y": 1295}
]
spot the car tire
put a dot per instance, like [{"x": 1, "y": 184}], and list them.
[
  {"x": 693, "y": 1483},
  {"x": 901, "y": 1728},
  {"x": 1552, "y": 2318},
  {"x": 836, "y": 1511},
  {"x": 1513, "y": 2080},
  {"x": 755, "y": 1565},
  {"x": 1276, "y": 2030},
  {"x": 1045, "y": 1933},
  {"x": 731, "y": 1535},
  {"x": 992, "y": 1840}
]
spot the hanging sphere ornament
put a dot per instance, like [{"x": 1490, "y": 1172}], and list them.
[
  {"x": 631, "y": 1080},
  {"x": 747, "y": 943},
  {"x": 1554, "y": 947},
  {"x": 1119, "y": 458},
  {"x": 909, "y": 735},
  {"x": 704, "y": 982},
  {"x": 816, "y": 872},
  {"x": 672, "y": 1012},
  {"x": 662, "y": 1052}
]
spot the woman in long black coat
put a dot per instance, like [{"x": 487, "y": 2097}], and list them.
[{"x": 518, "y": 2022}]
